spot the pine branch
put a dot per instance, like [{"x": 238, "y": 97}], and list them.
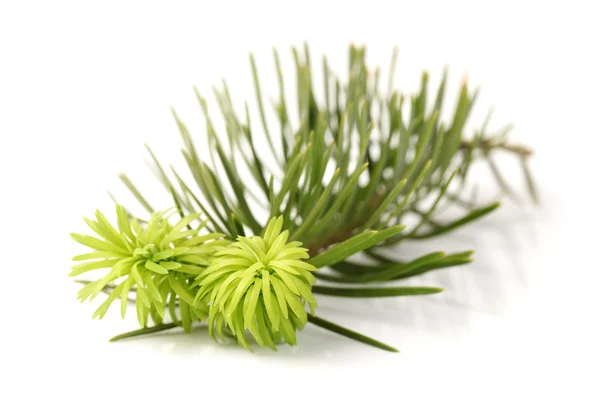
[{"x": 351, "y": 173}]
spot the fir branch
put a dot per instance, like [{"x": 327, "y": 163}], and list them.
[{"x": 352, "y": 169}]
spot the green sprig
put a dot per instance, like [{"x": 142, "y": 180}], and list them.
[
  {"x": 359, "y": 169},
  {"x": 157, "y": 260},
  {"x": 260, "y": 284}
]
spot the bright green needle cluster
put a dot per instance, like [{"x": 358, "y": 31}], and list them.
[
  {"x": 158, "y": 261},
  {"x": 260, "y": 284}
]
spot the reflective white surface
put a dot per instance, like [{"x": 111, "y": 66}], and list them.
[{"x": 82, "y": 88}]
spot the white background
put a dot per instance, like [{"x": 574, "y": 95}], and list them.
[{"x": 83, "y": 85}]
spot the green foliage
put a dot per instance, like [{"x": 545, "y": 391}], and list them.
[
  {"x": 356, "y": 159},
  {"x": 357, "y": 170},
  {"x": 259, "y": 284},
  {"x": 158, "y": 261}
]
